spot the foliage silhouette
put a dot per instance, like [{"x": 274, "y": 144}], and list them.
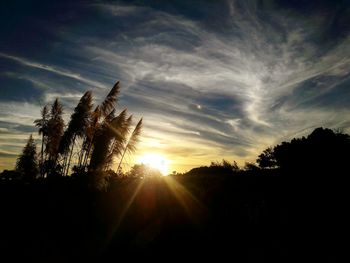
[
  {"x": 267, "y": 159},
  {"x": 27, "y": 164},
  {"x": 322, "y": 150},
  {"x": 250, "y": 167},
  {"x": 91, "y": 141},
  {"x": 223, "y": 168}
]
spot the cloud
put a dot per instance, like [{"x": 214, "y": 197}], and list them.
[
  {"x": 228, "y": 78},
  {"x": 4, "y": 154},
  {"x": 52, "y": 69}
]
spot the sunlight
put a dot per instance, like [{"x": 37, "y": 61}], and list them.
[
  {"x": 155, "y": 161},
  {"x": 193, "y": 207}
]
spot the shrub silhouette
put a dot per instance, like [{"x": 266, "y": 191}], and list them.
[{"x": 222, "y": 168}]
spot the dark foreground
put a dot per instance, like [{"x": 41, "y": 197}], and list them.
[{"x": 261, "y": 216}]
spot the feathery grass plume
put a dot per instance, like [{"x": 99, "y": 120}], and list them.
[
  {"x": 80, "y": 118},
  {"x": 79, "y": 123},
  {"x": 103, "y": 139},
  {"x": 119, "y": 144},
  {"x": 55, "y": 131},
  {"x": 109, "y": 117},
  {"x": 132, "y": 142},
  {"x": 117, "y": 126},
  {"x": 134, "y": 138},
  {"x": 107, "y": 110},
  {"x": 63, "y": 148},
  {"x": 42, "y": 124},
  {"x": 90, "y": 133},
  {"x": 109, "y": 103},
  {"x": 120, "y": 129}
]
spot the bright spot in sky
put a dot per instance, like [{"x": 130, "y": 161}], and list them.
[
  {"x": 199, "y": 106},
  {"x": 155, "y": 161}
]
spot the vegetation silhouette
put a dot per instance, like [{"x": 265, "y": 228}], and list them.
[
  {"x": 291, "y": 204},
  {"x": 26, "y": 165},
  {"x": 322, "y": 150},
  {"x": 95, "y": 137}
]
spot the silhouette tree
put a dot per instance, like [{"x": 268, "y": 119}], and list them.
[
  {"x": 323, "y": 150},
  {"x": 42, "y": 124},
  {"x": 27, "y": 165},
  {"x": 267, "y": 159}
]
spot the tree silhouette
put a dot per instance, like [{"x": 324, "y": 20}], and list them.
[
  {"x": 323, "y": 149},
  {"x": 267, "y": 159},
  {"x": 27, "y": 165}
]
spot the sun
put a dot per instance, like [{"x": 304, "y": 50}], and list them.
[{"x": 155, "y": 161}]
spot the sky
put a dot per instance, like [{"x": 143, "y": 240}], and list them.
[{"x": 211, "y": 79}]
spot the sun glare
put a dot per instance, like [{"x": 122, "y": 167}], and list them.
[{"x": 155, "y": 161}]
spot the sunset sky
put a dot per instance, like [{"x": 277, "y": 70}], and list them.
[{"x": 212, "y": 79}]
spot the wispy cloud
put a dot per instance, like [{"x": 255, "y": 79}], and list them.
[
  {"x": 248, "y": 77},
  {"x": 52, "y": 69}
]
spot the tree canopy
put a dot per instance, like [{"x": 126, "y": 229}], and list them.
[{"x": 322, "y": 149}]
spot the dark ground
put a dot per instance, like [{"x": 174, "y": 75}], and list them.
[{"x": 260, "y": 216}]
